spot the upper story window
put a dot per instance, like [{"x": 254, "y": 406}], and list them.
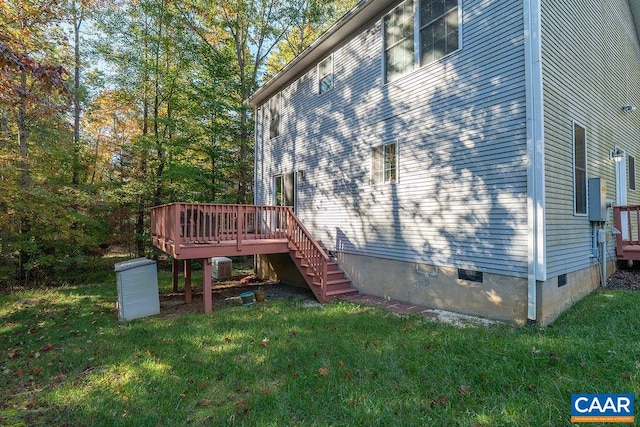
[
  {"x": 438, "y": 29},
  {"x": 383, "y": 163},
  {"x": 579, "y": 169},
  {"x": 325, "y": 74},
  {"x": 398, "y": 41},
  {"x": 274, "y": 115},
  {"x": 434, "y": 23}
]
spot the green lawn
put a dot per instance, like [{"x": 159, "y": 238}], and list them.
[{"x": 66, "y": 359}]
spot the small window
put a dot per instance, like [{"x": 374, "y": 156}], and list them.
[
  {"x": 470, "y": 275},
  {"x": 632, "y": 172},
  {"x": 274, "y": 113},
  {"x": 325, "y": 74},
  {"x": 383, "y": 163}
]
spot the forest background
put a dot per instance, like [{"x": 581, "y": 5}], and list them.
[{"x": 110, "y": 107}]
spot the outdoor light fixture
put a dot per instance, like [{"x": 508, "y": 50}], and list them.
[
  {"x": 629, "y": 108},
  {"x": 616, "y": 155}
]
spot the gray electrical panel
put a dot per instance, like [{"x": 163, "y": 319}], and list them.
[{"x": 597, "y": 200}]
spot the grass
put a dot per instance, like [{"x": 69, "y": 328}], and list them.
[{"x": 66, "y": 359}]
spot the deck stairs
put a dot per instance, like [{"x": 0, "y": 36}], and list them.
[{"x": 337, "y": 282}]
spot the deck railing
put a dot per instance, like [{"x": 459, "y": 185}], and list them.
[
  {"x": 184, "y": 223},
  {"x": 312, "y": 253},
  {"x": 626, "y": 219},
  {"x": 178, "y": 224}
]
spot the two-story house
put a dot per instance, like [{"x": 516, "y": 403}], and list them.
[{"x": 442, "y": 149}]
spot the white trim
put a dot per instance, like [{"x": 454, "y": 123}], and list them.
[
  {"x": 537, "y": 268},
  {"x": 575, "y": 123}
]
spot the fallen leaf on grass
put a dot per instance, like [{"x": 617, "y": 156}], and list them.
[
  {"x": 464, "y": 390},
  {"x": 206, "y": 402},
  {"x": 19, "y": 372},
  {"x": 46, "y": 348},
  {"x": 341, "y": 363},
  {"x": 266, "y": 391},
  {"x": 293, "y": 333},
  {"x": 440, "y": 401},
  {"x": 227, "y": 340},
  {"x": 323, "y": 371},
  {"x": 264, "y": 342},
  {"x": 624, "y": 376},
  {"x": 347, "y": 375}
]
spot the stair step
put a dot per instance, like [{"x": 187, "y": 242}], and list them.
[
  {"x": 344, "y": 291},
  {"x": 334, "y": 283}
]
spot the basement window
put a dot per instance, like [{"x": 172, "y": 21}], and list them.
[
  {"x": 562, "y": 280},
  {"x": 470, "y": 275}
]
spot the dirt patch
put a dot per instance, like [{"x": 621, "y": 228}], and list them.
[
  {"x": 625, "y": 278},
  {"x": 225, "y": 294}
]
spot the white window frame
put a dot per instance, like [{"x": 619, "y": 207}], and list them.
[
  {"x": 417, "y": 39},
  {"x": 329, "y": 74},
  {"x": 275, "y": 109},
  {"x": 575, "y": 124},
  {"x": 382, "y": 169}
]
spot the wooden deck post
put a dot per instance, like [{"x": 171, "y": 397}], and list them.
[
  {"x": 206, "y": 285},
  {"x": 187, "y": 281},
  {"x": 175, "y": 273}
]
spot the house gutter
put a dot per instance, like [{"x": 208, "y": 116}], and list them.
[{"x": 537, "y": 269}]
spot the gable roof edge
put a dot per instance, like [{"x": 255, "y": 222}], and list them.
[{"x": 364, "y": 12}]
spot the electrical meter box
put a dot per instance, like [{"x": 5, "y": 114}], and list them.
[{"x": 597, "y": 200}]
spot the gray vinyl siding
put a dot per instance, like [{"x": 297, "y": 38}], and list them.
[
  {"x": 591, "y": 67},
  {"x": 461, "y": 195}
]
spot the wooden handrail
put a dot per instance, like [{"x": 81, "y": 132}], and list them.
[
  {"x": 312, "y": 253},
  {"x": 191, "y": 223}
]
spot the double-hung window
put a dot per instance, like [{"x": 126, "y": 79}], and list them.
[
  {"x": 433, "y": 23},
  {"x": 384, "y": 163},
  {"x": 398, "y": 41},
  {"x": 579, "y": 169},
  {"x": 274, "y": 115},
  {"x": 325, "y": 74},
  {"x": 438, "y": 29}
]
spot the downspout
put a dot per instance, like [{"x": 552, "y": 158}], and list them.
[{"x": 536, "y": 258}]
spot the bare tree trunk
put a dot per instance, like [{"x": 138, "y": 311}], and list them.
[
  {"x": 25, "y": 225},
  {"x": 77, "y": 23},
  {"x": 4, "y": 232}
]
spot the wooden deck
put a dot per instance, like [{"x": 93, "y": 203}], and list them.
[
  {"x": 188, "y": 231},
  {"x": 626, "y": 219}
]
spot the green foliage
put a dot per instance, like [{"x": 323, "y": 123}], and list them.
[{"x": 66, "y": 359}]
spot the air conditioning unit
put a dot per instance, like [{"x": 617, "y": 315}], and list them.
[{"x": 221, "y": 268}]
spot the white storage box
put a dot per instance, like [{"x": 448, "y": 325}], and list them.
[
  {"x": 137, "y": 282},
  {"x": 220, "y": 268}
]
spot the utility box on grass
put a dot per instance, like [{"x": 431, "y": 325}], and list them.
[
  {"x": 221, "y": 268},
  {"x": 137, "y": 282}
]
